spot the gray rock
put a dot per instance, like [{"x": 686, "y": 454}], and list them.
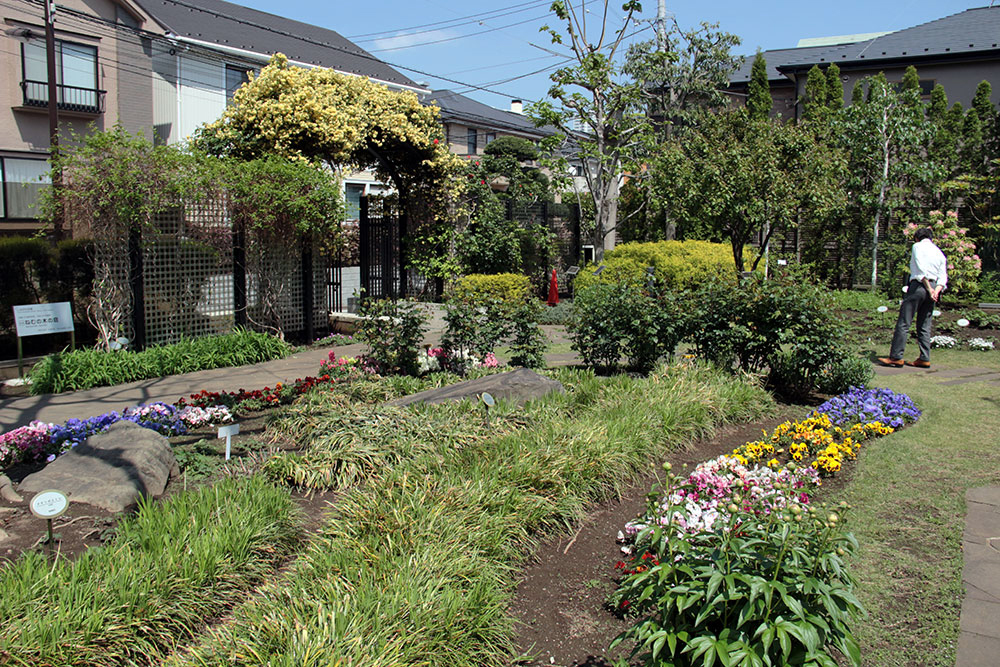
[
  {"x": 110, "y": 470},
  {"x": 520, "y": 386}
]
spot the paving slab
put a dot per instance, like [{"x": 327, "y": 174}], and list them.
[
  {"x": 979, "y": 625},
  {"x": 962, "y": 372},
  {"x": 993, "y": 377},
  {"x": 977, "y": 650}
]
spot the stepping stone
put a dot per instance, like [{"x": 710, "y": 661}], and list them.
[
  {"x": 110, "y": 470},
  {"x": 992, "y": 377},
  {"x": 520, "y": 386},
  {"x": 963, "y": 372}
]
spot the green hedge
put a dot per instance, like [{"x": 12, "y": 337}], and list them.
[
  {"x": 677, "y": 264},
  {"x": 479, "y": 288},
  {"x": 84, "y": 369}
]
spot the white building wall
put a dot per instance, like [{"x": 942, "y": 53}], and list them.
[{"x": 201, "y": 96}]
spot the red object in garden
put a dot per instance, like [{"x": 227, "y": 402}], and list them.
[{"x": 553, "y": 289}]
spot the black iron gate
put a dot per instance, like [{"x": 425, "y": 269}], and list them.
[{"x": 383, "y": 233}]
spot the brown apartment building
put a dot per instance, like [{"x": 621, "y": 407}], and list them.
[{"x": 103, "y": 77}]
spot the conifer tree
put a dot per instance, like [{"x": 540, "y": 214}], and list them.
[
  {"x": 983, "y": 106},
  {"x": 814, "y": 102},
  {"x": 938, "y": 108},
  {"x": 858, "y": 93},
  {"x": 911, "y": 84},
  {"x": 759, "y": 90},
  {"x": 972, "y": 142},
  {"x": 834, "y": 88}
]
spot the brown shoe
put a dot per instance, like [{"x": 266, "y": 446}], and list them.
[
  {"x": 920, "y": 363},
  {"x": 888, "y": 361}
]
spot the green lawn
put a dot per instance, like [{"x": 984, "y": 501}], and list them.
[{"x": 909, "y": 493}]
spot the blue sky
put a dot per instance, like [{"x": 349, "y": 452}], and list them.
[{"x": 495, "y": 45}]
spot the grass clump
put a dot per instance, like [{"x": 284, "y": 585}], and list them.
[
  {"x": 84, "y": 369},
  {"x": 171, "y": 567},
  {"x": 418, "y": 568}
]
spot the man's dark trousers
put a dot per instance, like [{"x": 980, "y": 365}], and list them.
[{"x": 917, "y": 301}]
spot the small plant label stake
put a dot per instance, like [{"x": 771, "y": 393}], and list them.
[
  {"x": 882, "y": 311},
  {"x": 963, "y": 322},
  {"x": 228, "y": 432},
  {"x": 937, "y": 313},
  {"x": 48, "y": 505},
  {"x": 488, "y": 402}
]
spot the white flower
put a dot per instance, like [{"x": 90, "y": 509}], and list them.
[
  {"x": 980, "y": 344},
  {"x": 944, "y": 341}
]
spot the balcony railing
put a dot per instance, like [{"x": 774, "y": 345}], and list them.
[{"x": 68, "y": 98}]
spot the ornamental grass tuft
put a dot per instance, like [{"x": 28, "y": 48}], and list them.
[{"x": 171, "y": 567}]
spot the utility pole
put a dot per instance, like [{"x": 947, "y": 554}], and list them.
[
  {"x": 661, "y": 25},
  {"x": 50, "y": 61}
]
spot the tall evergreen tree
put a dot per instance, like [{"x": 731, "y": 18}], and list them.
[
  {"x": 983, "y": 106},
  {"x": 938, "y": 107},
  {"x": 814, "y": 101},
  {"x": 911, "y": 85},
  {"x": 759, "y": 90},
  {"x": 858, "y": 93},
  {"x": 834, "y": 88},
  {"x": 972, "y": 151}
]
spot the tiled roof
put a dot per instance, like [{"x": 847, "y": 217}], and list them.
[
  {"x": 968, "y": 32},
  {"x": 972, "y": 31},
  {"x": 238, "y": 27},
  {"x": 461, "y": 108}
]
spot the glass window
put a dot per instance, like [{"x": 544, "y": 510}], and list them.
[
  {"x": 76, "y": 74},
  {"x": 23, "y": 180},
  {"x": 235, "y": 77},
  {"x": 473, "y": 141},
  {"x": 352, "y": 199}
]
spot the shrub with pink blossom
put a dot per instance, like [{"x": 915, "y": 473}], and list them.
[{"x": 964, "y": 265}]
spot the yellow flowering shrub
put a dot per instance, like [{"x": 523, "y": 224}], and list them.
[{"x": 679, "y": 264}]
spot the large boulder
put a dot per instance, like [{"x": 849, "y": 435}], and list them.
[
  {"x": 520, "y": 386},
  {"x": 110, "y": 470}
]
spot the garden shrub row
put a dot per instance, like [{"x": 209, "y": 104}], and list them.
[
  {"x": 677, "y": 265},
  {"x": 418, "y": 568},
  {"x": 84, "y": 369},
  {"x": 780, "y": 327},
  {"x": 735, "y": 563},
  {"x": 171, "y": 567}
]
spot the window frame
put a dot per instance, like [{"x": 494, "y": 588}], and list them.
[
  {"x": 244, "y": 71},
  {"x": 97, "y": 107},
  {"x": 4, "y": 188},
  {"x": 472, "y": 141}
]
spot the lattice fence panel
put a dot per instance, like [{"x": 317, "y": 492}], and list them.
[{"x": 187, "y": 273}]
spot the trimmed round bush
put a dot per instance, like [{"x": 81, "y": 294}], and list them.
[
  {"x": 481, "y": 288},
  {"x": 677, "y": 265}
]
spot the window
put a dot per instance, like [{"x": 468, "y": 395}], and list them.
[
  {"x": 23, "y": 180},
  {"x": 473, "y": 140},
  {"x": 235, "y": 77},
  {"x": 352, "y": 198},
  {"x": 76, "y": 76},
  {"x": 490, "y": 138}
]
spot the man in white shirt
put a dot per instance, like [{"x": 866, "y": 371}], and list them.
[{"x": 928, "y": 277}]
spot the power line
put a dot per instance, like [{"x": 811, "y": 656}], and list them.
[
  {"x": 359, "y": 53},
  {"x": 476, "y": 18},
  {"x": 453, "y": 38}
]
